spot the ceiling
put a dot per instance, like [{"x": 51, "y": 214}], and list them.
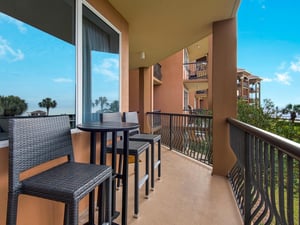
[{"x": 160, "y": 28}]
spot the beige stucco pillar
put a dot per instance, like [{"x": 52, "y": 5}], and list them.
[
  {"x": 224, "y": 68},
  {"x": 145, "y": 96},
  {"x": 209, "y": 72}
]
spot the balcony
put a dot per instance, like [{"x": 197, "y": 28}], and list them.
[
  {"x": 157, "y": 75},
  {"x": 196, "y": 77},
  {"x": 186, "y": 193},
  {"x": 201, "y": 93},
  {"x": 262, "y": 188}
]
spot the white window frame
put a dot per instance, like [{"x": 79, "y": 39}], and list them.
[{"x": 79, "y": 60}]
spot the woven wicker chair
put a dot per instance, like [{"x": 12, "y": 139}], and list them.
[
  {"x": 34, "y": 141},
  {"x": 132, "y": 117},
  {"x": 135, "y": 149}
]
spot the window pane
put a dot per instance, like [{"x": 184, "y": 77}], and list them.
[
  {"x": 101, "y": 76},
  {"x": 105, "y": 82},
  {"x": 37, "y": 56}
]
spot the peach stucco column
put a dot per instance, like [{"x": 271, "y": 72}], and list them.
[
  {"x": 224, "y": 68},
  {"x": 145, "y": 96}
]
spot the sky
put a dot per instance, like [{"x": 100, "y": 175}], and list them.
[
  {"x": 268, "y": 33},
  {"x": 268, "y": 42}
]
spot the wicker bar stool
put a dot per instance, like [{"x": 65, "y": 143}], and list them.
[
  {"x": 135, "y": 149},
  {"x": 152, "y": 139},
  {"x": 34, "y": 141}
]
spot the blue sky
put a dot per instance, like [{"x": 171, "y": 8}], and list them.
[{"x": 269, "y": 47}]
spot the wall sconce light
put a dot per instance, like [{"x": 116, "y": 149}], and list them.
[{"x": 142, "y": 55}]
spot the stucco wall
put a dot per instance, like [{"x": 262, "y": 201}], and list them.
[{"x": 168, "y": 97}]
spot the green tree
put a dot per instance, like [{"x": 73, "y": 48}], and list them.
[
  {"x": 12, "y": 105},
  {"x": 114, "y": 106},
  {"x": 256, "y": 116},
  {"x": 268, "y": 118},
  {"x": 47, "y": 103}
]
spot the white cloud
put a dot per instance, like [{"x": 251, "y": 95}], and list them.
[
  {"x": 8, "y": 53},
  {"x": 108, "y": 68},
  {"x": 283, "y": 78},
  {"x": 62, "y": 80},
  {"x": 295, "y": 66},
  {"x": 265, "y": 79},
  {"x": 20, "y": 25}
]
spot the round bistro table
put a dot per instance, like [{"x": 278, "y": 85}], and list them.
[{"x": 104, "y": 128}]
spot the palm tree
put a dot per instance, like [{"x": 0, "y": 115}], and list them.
[
  {"x": 102, "y": 101},
  {"x": 47, "y": 103}
]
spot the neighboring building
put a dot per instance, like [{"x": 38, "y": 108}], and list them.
[
  {"x": 179, "y": 83},
  {"x": 38, "y": 113},
  {"x": 248, "y": 87}
]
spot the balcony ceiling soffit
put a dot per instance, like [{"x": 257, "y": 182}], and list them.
[
  {"x": 195, "y": 86},
  {"x": 161, "y": 28},
  {"x": 198, "y": 49}
]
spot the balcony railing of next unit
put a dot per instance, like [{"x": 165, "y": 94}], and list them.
[
  {"x": 265, "y": 178},
  {"x": 188, "y": 134},
  {"x": 196, "y": 70}
]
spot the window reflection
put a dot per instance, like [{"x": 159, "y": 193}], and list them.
[
  {"x": 101, "y": 74},
  {"x": 37, "y": 59}
]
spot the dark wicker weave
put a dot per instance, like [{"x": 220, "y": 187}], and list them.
[
  {"x": 132, "y": 117},
  {"x": 33, "y": 141},
  {"x": 135, "y": 149}
]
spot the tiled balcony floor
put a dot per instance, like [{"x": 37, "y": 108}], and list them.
[{"x": 186, "y": 194}]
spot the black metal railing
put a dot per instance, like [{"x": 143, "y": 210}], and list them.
[
  {"x": 265, "y": 178},
  {"x": 196, "y": 70},
  {"x": 188, "y": 134}
]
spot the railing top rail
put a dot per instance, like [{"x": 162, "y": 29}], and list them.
[
  {"x": 180, "y": 114},
  {"x": 287, "y": 146}
]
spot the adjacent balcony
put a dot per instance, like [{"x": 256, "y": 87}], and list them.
[
  {"x": 201, "y": 93},
  {"x": 196, "y": 76},
  {"x": 157, "y": 75}
]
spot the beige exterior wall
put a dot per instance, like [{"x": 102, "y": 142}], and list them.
[
  {"x": 134, "y": 81},
  {"x": 35, "y": 211},
  {"x": 168, "y": 97}
]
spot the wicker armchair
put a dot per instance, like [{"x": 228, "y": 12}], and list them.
[
  {"x": 135, "y": 149},
  {"x": 132, "y": 117},
  {"x": 34, "y": 141}
]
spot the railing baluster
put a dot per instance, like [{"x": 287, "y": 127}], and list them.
[
  {"x": 171, "y": 130},
  {"x": 271, "y": 167},
  {"x": 188, "y": 134},
  {"x": 248, "y": 175},
  {"x": 290, "y": 191},
  {"x": 281, "y": 188}
]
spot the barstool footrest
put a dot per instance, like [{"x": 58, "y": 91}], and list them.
[{"x": 143, "y": 180}]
